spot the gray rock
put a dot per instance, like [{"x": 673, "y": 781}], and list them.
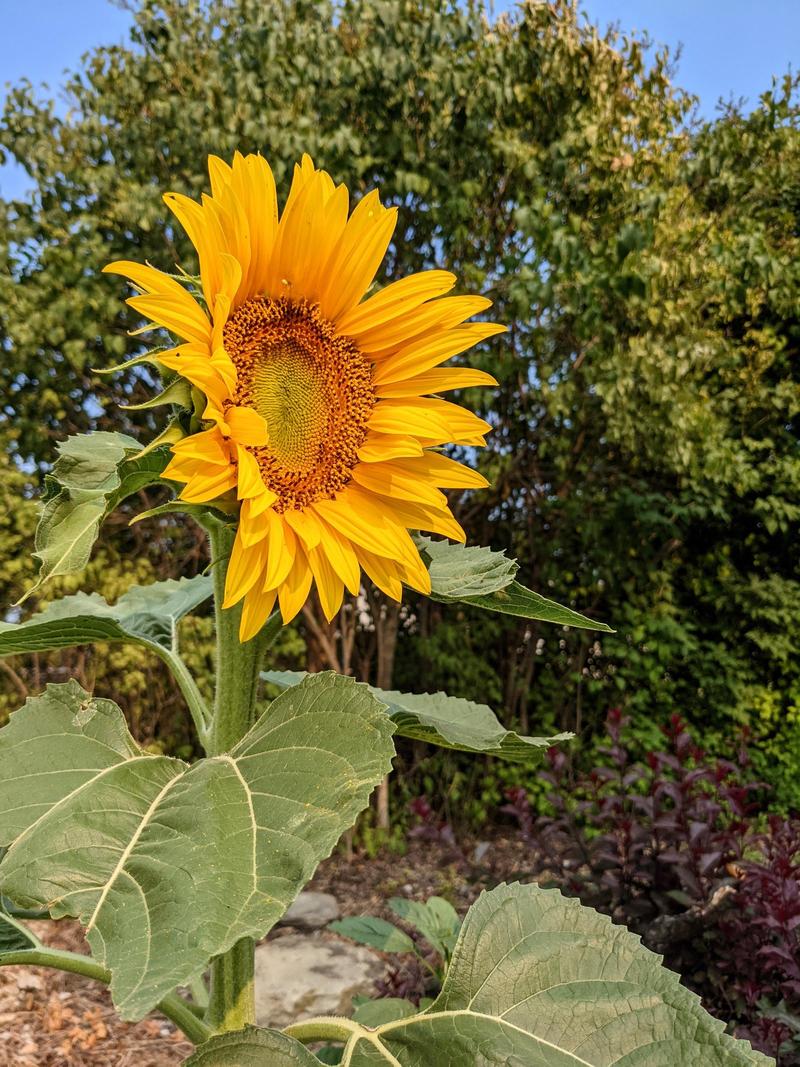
[
  {"x": 311, "y": 911},
  {"x": 298, "y": 976}
]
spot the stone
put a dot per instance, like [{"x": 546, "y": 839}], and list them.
[
  {"x": 311, "y": 911},
  {"x": 301, "y": 975}
]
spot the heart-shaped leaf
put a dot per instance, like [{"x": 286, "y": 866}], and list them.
[
  {"x": 168, "y": 865},
  {"x": 92, "y": 475},
  {"x": 146, "y": 615},
  {"x": 485, "y": 579},
  {"x": 450, "y": 722}
]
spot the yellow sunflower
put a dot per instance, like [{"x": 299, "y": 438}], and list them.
[{"x": 319, "y": 411}]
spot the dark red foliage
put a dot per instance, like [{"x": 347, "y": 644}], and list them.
[{"x": 669, "y": 845}]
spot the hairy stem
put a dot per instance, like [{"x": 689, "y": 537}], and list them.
[
  {"x": 232, "y": 1005},
  {"x": 174, "y": 1007},
  {"x": 238, "y": 665},
  {"x": 201, "y": 716},
  {"x": 324, "y": 1028},
  {"x": 232, "y": 999}
]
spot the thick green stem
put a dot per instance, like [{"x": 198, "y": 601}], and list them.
[
  {"x": 238, "y": 665},
  {"x": 173, "y": 1006},
  {"x": 232, "y": 1000},
  {"x": 232, "y": 1005}
]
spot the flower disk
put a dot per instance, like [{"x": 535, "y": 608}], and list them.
[{"x": 322, "y": 416}]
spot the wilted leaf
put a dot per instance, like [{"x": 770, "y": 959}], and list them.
[
  {"x": 168, "y": 865},
  {"x": 450, "y": 722}
]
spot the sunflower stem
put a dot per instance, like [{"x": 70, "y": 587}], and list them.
[{"x": 232, "y": 997}]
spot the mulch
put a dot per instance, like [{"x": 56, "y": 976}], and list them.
[{"x": 52, "y": 1019}]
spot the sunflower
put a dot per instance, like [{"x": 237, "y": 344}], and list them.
[{"x": 319, "y": 416}]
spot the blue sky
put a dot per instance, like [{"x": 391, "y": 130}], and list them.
[{"x": 730, "y": 47}]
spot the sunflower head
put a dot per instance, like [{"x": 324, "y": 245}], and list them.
[{"x": 321, "y": 411}]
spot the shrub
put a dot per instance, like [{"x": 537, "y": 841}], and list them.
[{"x": 671, "y": 845}]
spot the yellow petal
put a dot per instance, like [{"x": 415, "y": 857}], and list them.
[
  {"x": 357, "y": 256},
  {"x": 390, "y": 480},
  {"x": 245, "y": 567},
  {"x": 258, "y": 605},
  {"x": 394, "y": 301},
  {"x": 436, "y": 420},
  {"x": 246, "y": 426},
  {"x": 442, "y": 471},
  {"x": 281, "y": 551},
  {"x": 432, "y": 317},
  {"x": 436, "y": 381},
  {"x": 306, "y": 525},
  {"x": 421, "y": 356},
  {"x": 293, "y": 593},
  {"x": 379, "y": 447},
  {"x": 329, "y": 585},
  {"x": 341, "y": 557},
  {"x": 382, "y": 573}
]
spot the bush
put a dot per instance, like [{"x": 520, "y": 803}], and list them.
[{"x": 672, "y": 846}]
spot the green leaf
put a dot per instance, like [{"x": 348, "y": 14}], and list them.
[
  {"x": 537, "y": 980},
  {"x": 14, "y": 936},
  {"x": 450, "y": 722},
  {"x": 385, "y": 1010},
  {"x": 458, "y": 571},
  {"x": 485, "y": 579},
  {"x": 372, "y": 931},
  {"x": 437, "y": 920},
  {"x": 168, "y": 865},
  {"x": 92, "y": 475},
  {"x": 252, "y": 1048},
  {"x": 145, "y": 615}
]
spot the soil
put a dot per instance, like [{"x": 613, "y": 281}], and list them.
[{"x": 52, "y": 1019}]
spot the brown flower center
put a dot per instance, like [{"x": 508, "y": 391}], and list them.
[{"x": 313, "y": 389}]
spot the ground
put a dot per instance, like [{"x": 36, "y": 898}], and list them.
[{"x": 50, "y": 1019}]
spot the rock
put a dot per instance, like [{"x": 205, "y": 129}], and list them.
[
  {"x": 311, "y": 911},
  {"x": 298, "y": 976}
]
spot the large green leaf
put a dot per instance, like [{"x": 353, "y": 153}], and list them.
[
  {"x": 92, "y": 475},
  {"x": 537, "y": 980},
  {"x": 146, "y": 615},
  {"x": 252, "y": 1048},
  {"x": 450, "y": 722},
  {"x": 485, "y": 579},
  {"x": 168, "y": 865}
]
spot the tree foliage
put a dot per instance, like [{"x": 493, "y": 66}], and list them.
[{"x": 645, "y": 454}]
